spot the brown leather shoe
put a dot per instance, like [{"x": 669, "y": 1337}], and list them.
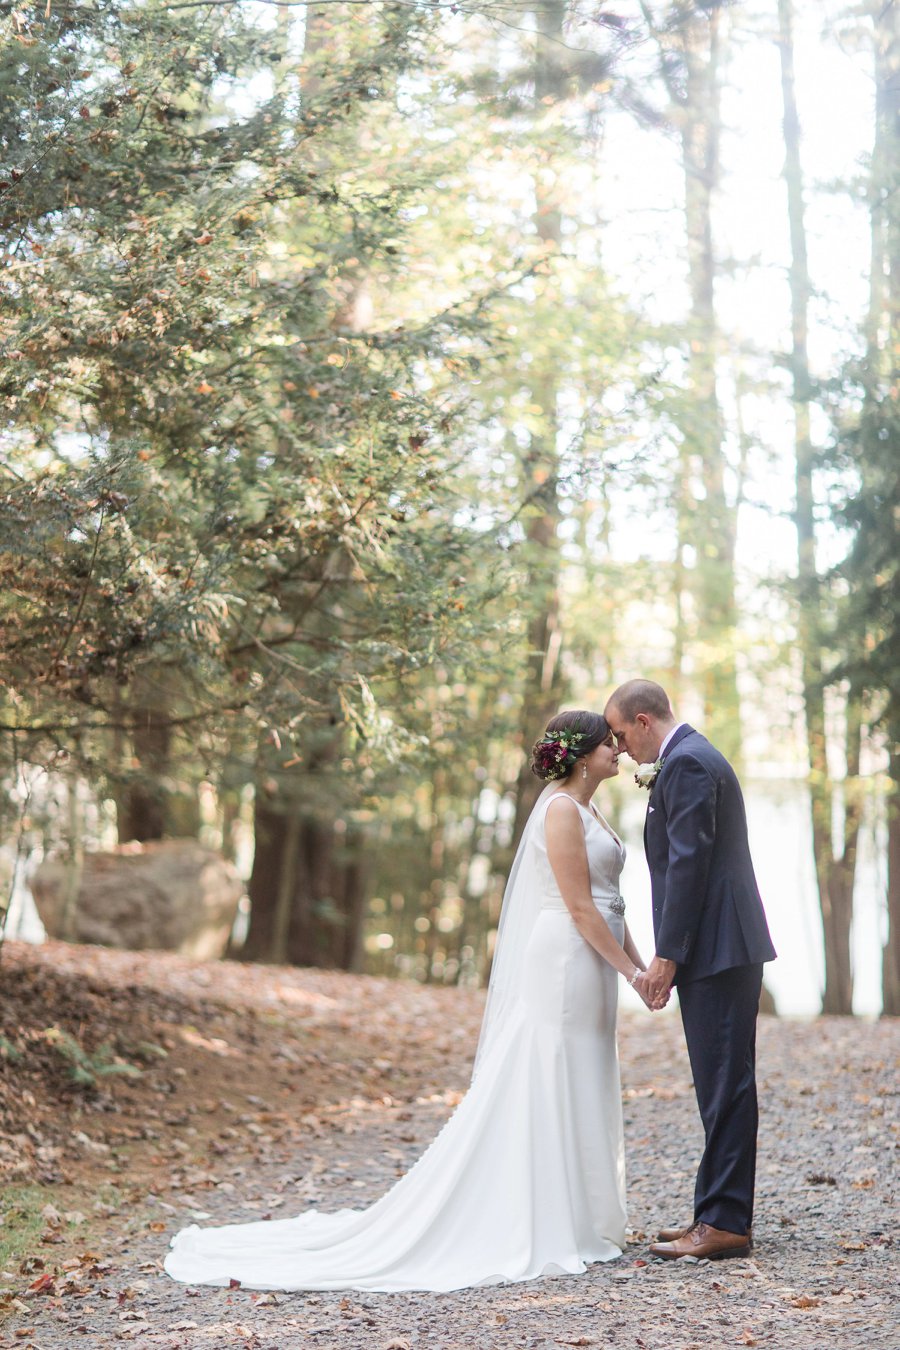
[
  {"x": 673, "y": 1234},
  {"x": 702, "y": 1241}
]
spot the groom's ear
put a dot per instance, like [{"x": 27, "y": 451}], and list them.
[{"x": 643, "y": 719}]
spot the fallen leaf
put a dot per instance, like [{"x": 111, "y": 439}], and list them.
[
  {"x": 9, "y": 1303},
  {"x": 804, "y": 1301},
  {"x": 42, "y": 1284}
]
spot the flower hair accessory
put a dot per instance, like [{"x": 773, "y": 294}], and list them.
[
  {"x": 647, "y": 774},
  {"x": 556, "y": 752}
]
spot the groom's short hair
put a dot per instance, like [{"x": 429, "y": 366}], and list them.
[{"x": 641, "y": 696}]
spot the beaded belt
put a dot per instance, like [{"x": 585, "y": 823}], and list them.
[{"x": 617, "y": 905}]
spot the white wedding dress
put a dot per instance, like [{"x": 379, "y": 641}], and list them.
[{"x": 527, "y": 1176}]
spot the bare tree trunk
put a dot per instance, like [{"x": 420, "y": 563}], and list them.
[
  {"x": 141, "y": 800},
  {"x": 544, "y": 683},
  {"x": 890, "y": 956},
  {"x": 712, "y": 520},
  {"x": 835, "y": 866},
  {"x": 150, "y": 803},
  {"x": 269, "y": 829},
  {"x": 884, "y": 313},
  {"x": 690, "y": 42},
  {"x": 74, "y": 867}
]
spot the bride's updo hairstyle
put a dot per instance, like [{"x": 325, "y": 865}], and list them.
[{"x": 569, "y": 736}]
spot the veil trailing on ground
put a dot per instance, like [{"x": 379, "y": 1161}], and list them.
[{"x": 522, "y": 901}]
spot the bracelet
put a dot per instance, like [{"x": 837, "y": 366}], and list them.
[{"x": 637, "y": 972}]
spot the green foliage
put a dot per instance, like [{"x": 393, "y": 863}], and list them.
[
  {"x": 867, "y": 639},
  {"x": 22, "y": 1221},
  {"x": 219, "y": 488},
  {"x": 10, "y": 1051},
  {"x": 148, "y": 1052},
  {"x": 86, "y": 1066}
]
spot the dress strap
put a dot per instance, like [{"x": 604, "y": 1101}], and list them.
[{"x": 553, "y": 797}]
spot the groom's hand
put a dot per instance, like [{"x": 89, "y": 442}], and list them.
[
  {"x": 640, "y": 987},
  {"x": 659, "y": 977}
]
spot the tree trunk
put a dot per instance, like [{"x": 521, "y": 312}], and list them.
[
  {"x": 74, "y": 862},
  {"x": 835, "y": 867},
  {"x": 543, "y": 684},
  {"x": 884, "y": 313},
  {"x": 890, "y": 956},
  {"x": 712, "y": 520},
  {"x": 308, "y": 889},
  {"x": 690, "y": 45},
  {"x": 141, "y": 799},
  {"x": 269, "y": 831},
  {"x": 150, "y": 803}
]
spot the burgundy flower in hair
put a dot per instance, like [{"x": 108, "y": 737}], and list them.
[{"x": 556, "y": 752}]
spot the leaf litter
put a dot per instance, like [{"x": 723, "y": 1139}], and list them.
[{"x": 270, "y": 1089}]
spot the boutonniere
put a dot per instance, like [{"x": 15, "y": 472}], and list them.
[{"x": 647, "y": 774}]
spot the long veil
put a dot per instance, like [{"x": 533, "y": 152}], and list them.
[{"x": 518, "y": 913}]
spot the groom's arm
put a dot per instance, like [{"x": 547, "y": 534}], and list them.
[{"x": 691, "y": 793}]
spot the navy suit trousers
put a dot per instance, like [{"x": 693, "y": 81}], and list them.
[{"x": 719, "y": 1017}]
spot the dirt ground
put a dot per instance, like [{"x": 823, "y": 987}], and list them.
[{"x": 264, "y": 1090}]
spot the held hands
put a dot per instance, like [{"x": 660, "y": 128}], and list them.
[
  {"x": 655, "y": 983},
  {"x": 642, "y": 984}
]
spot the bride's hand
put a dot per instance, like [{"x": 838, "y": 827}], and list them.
[{"x": 640, "y": 985}]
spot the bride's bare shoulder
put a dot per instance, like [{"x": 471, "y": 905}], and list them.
[{"x": 562, "y": 820}]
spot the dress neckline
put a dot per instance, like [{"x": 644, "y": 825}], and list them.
[{"x": 594, "y": 814}]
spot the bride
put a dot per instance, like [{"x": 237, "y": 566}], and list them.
[{"x": 527, "y": 1177}]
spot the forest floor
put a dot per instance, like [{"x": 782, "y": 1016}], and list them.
[{"x": 263, "y": 1090}]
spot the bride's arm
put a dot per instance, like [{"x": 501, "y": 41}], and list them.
[
  {"x": 568, "y": 858},
  {"x": 632, "y": 951}
]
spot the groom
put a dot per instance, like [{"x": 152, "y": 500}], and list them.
[{"x": 711, "y": 940}]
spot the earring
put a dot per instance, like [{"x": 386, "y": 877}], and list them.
[{"x": 583, "y": 769}]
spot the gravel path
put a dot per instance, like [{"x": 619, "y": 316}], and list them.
[{"x": 825, "y": 1271}]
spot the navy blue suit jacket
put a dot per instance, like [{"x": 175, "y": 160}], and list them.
[{"x": 707, "y": 911}]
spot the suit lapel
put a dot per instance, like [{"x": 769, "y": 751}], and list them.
[{"x": 684, "y": 730}]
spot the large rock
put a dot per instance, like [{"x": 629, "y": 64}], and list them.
[{"x": 174, "y": 895}]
